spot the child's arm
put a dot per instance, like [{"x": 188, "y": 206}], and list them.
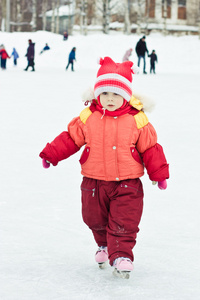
[
  {"x": 152, "y": 154},
  {"x": 65, "y": 144},
  {"x": 61, "y": 148}
]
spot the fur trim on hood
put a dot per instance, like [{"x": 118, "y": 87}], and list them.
[{"x": 138, "y": 101}]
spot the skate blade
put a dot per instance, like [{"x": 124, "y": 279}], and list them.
[
  {"x": 102, "y": 265},
  {"x": 121, "y": 274}
]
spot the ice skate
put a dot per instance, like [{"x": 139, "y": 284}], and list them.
[
  {"x": 122, "y": 267},
  {"x": 101, "y": 257}
]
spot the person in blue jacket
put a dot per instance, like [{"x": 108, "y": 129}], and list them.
[
  {"x": 72, "y": 57},
  {"x": 15, "y": 56},
  {"x": 46, "y": 47}
]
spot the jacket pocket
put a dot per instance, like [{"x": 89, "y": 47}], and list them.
[
  {"x": 137, "y": 188},
  {"x": 135, "y": 154},
  {"x": 84, "y": 155},
  {"x": 90, "y": 191}
]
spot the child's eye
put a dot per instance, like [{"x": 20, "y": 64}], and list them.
[{"x": 104, "y": 93}]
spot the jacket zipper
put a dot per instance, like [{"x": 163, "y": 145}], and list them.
[{"x": 89, "y": 190}]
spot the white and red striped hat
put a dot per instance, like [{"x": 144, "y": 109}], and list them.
[{"x": 115, "y": 78}]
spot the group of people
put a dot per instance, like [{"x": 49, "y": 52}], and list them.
[
  {"x": 4, "y": 56},
  {"x": 30, "y": 54},
  {"x": 141, "y": 50}
]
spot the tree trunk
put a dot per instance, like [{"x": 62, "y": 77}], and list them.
[
  {"x": 165, "y": 18},
  {"x": 127, "y": 25},
  {"x": 18, "y": 15},
  {"x": 106, "y": 16},
  {"x": 139, "y": 14},
  {"x": 3, "y": 7},
  {"x": 57, "y": 17},
  {"x": 44, "y": 10},
  {"x": 8, "y": 15},
  {"x": 83, "y": 17},
  {"x": 34, "y": 15},
  {"x": 53, "y": 17}
]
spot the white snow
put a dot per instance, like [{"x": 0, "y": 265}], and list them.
[{"x": 46, "y": 251}]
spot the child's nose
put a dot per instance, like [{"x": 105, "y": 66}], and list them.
[{"x": 110, "y": 97}]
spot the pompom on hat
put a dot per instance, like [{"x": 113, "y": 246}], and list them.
[{"x": 115, "y": 78}]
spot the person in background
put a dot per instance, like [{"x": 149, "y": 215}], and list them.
[
  {"x": 153, "y": 60},
  {"x": 119, "y": 142},
  {"x": 71, "y": 58},
  {"x": 46, "y": 47},
  {"x": 65, "y": 36},
  {"x": 4, "y": 55},
  {"x": 30, "y": 55},
  {"x": 141, "y": 50},
  {"x": 127, "y": 55},
  {"x": 15, "y": 56}
]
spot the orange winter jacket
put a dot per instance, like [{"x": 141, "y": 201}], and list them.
[{"x": 116, "y": 147}]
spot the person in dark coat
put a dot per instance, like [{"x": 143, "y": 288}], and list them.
[
  {"x": 141, "y": 50},
  {"x": 153, "y": 59},
  {"x": 30, "y": 55},
  {"x": 72, "y": 57}
]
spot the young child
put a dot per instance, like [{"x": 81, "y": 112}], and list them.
[
  {"x": 119, "y": 141},
  {"x": 127, "y": 55},
  {"x": 153, "y": 59},
  {"x": 4, "y": 55},
  {"x": 15, "y": 56}
]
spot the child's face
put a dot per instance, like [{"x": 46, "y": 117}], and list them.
[{"x": 111, "y": 101}]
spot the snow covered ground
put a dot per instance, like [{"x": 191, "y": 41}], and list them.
[{"x": 46, "y": 251}]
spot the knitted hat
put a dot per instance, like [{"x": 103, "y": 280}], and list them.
[{"x": 115, "y": 78}]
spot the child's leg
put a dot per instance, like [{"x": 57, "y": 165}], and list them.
[
  {"x": 154, "y": 67},
  {"x": 94, "y": 210},
  {"x": 124, "y": 217}
]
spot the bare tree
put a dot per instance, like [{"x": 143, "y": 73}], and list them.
[
  {"x": 44, "y": 10},
  {"x": 57, "y": 16},
  {"x": 198, "y": 19},
  {"x": 139, "y": 16},
  {"x": 106, "y": 16},
  {"x": 165, "y": 17},
  {"x": 34, "y": 15},
  {"x": 53, "y": 17},
  {"x": 3, "y": 9},
  {"x": 127, "y": 25},
  {"x": 8, "y": 15},
  {"x": 83, "y": 16},
  {"x": 18, "y": 15}
]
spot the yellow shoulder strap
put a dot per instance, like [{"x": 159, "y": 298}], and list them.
[
  {"x": 141, "y": 119},
  {"x": 84, "y": 115},
  {"x": 135, "y": 103}
]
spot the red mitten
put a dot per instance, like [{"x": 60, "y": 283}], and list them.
[
  {"x": 45, "y": 164},
  {"x": 162, "y": 184}
]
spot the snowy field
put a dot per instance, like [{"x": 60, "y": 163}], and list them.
[{"x": 46, "y": 251}]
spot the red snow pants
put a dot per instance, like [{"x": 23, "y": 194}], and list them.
[{"x": 112, "y": 210}]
